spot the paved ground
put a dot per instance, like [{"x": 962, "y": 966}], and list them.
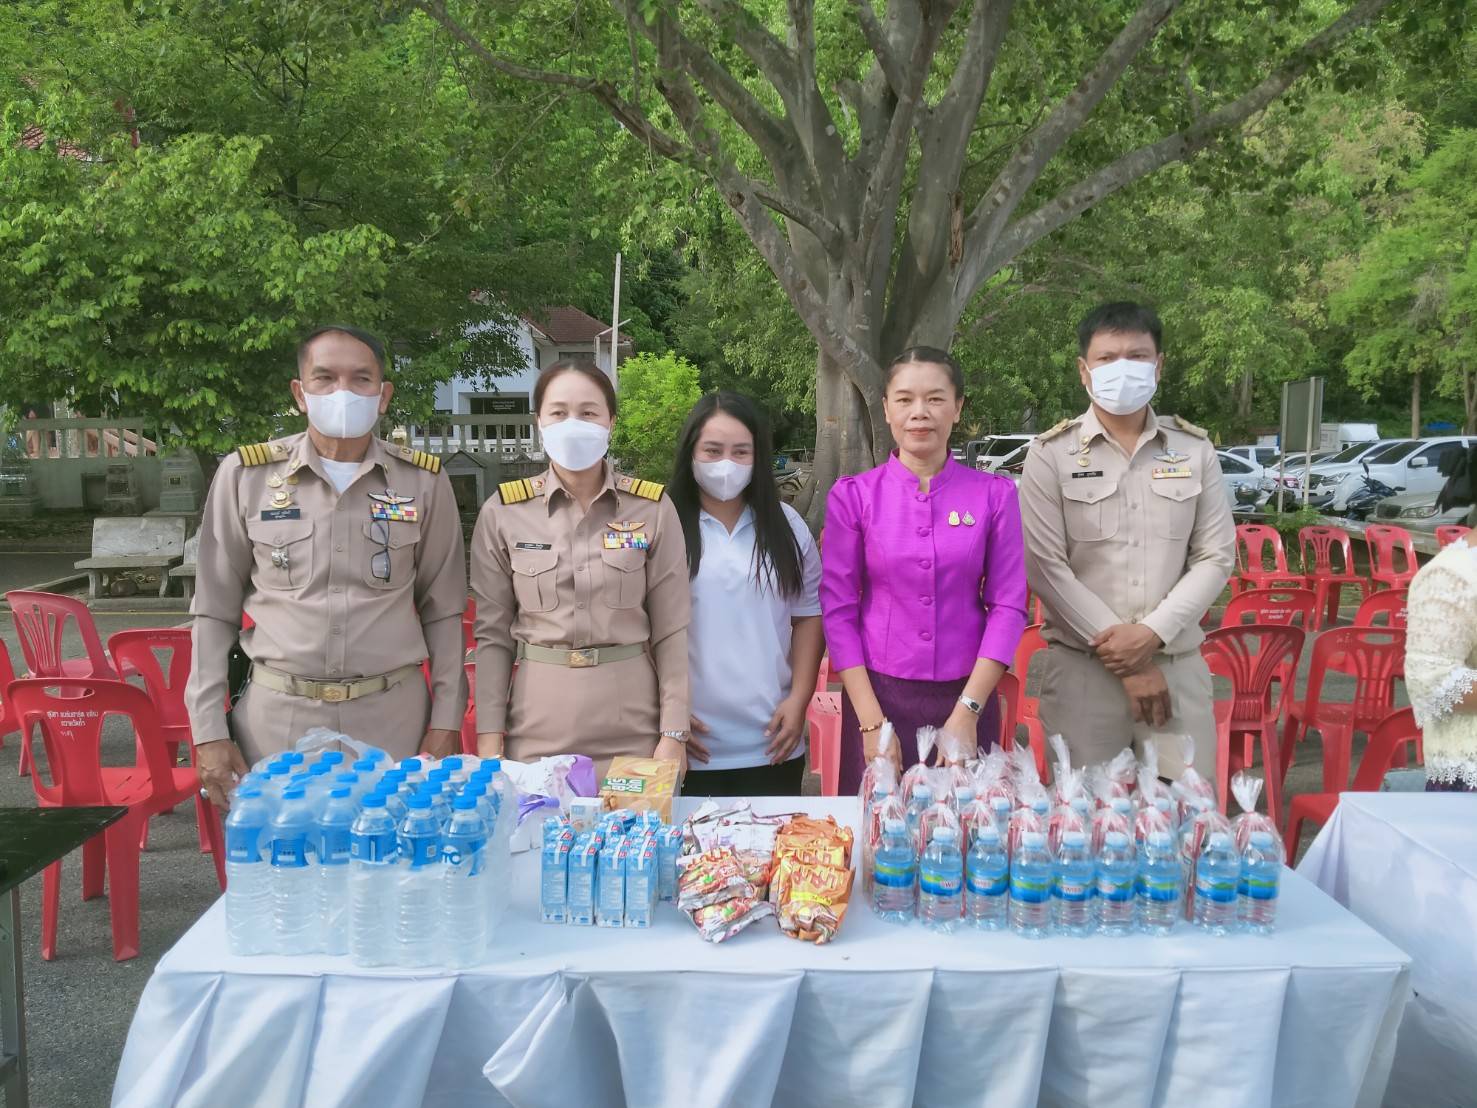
[{"x": 79, "y": 1006}]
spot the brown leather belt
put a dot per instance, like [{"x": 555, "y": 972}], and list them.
[{"x": 332, "y": 692}]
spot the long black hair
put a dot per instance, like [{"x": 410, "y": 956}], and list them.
[{"x": 777, "y": 554}]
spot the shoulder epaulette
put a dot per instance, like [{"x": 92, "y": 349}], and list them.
[
  {"x": 419, "y": 458},
  {"x": 1189, "y": 428},
  {"x": 257, "y": 454},
  {"x": 647, "y": 490},
  {"x": 1052, "y": 432},
  {"x": 515, "y": 492}
]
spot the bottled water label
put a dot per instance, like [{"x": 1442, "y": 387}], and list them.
[
  {"x": 894, "y": 876},
  {"x": 1215, "y": 891},
  {"x": 1029, "y": 890},
  {"x": 1259, "y": 888},
  {"x": 378, "y": 847},
  {"x": 1110, "y": 888},
  {"x": 1165, "y": 889},
  {"x": 984, "y": 884},
  {"x": 289, "y": 853},
  {"x": 451, "y": 854},
  {"x": 422, "y": 850},
  {"x": 940, "y": 884},
  {"x": 1073, "y": 890},
  {"x": 243, "y": 844},
  {"x": 336, "y": 846}
]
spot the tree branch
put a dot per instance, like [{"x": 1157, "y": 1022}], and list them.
[
  {"x": 878, "y": 43},
  {"x": 1139, "y": 163}
]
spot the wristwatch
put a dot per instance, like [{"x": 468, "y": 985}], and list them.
[
  {"x": 972, "y": 704},
  {"x": 677, "y": 736}
]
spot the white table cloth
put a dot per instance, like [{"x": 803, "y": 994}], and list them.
[
  {"x": 1406, "y": 864},
  {"x": 884, "y": 1016}
]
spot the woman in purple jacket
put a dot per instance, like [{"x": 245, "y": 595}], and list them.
[{"x": 923, "y": 585}]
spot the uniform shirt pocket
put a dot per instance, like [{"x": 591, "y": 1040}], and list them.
[
  {"x": 1091, "y": 508},
  {"x": 534, "y": 582},
  {"x": 1172, "y": 507},
  {"x": 392, "y": 541},
  {"x": 625, "y": 577},
  {"x": 283, "y": 550}
]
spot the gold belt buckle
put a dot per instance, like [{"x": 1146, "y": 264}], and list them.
[
  {"x": 584, "y": 659},
  {"x": 333, "y": 693}
]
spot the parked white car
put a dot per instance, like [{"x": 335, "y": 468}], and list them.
[
  {"x": 1259, "y": 456},
  {"x": 1338, "y": 473},
  {"x": 1246, "y": 478},
  {"x": 1411, "y": 465},
  {"x": 992, "y": 450},
  {"x": 1417, "y": 511}
]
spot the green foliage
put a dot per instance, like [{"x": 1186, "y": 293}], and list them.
[{"x": 656, "y": 393}]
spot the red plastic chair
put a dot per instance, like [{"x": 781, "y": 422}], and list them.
[
  {"x": 71, "y": 732},
  {"x": 1253, "y": 541},
  {"x": 8, "y": 720},
  {"x": 1029, "y": 710},
  {"x": 1328, "y": 580},
  {"x": 1252, "y": 657},
  {"x": 469, "y": 717},
  {"x": 1385, "y": 570},
  {"x": 1374, "y": 657},
  {"x": 1282, "y": 607},
  {"x": 824, "y": 721},
  {"x": 139, "y": 650},
  {"x": 1008, "y": 700},
  {"x": 1387, "y": 747},
  {"x": 1450, "y": 533},
  {"x": 1387, "y": 602},
  {"x": 469, "y": 625}
]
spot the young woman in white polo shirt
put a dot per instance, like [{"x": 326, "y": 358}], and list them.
[{"x": 755, "y": 641}]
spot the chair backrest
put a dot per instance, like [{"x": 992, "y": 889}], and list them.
[
  {"x": 1387, "y": 739},
  {"x": 140, "y": 649},
  {"x": 1390, "y": 603},
  {"x": 1279, "y": 606},
  {"x": 1251, "y": 656},
  {"x": 7, "y": 675},
  {"x": 70, "y": 718},
  {"x": 1450, "y": 533},
  {"x": 1383, "y": 541},
  {"x": 1030, "y": 645},
  {"x": 1373, "y": 656},
  {"x": 1323, "y": 541},
  {"x": 40, "y": 621},
  {"x": 1252, "y": 540},
  {"x": 1008, "y": 695}
]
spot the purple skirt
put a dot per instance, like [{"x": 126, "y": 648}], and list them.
[
  {"x": 909, "y": 705},
  {"x": 1431, "y": 786}
]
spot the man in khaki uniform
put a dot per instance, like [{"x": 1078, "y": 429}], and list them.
[
  {"x": 595, "y": 604},
  {"x": 346, "y": 551},
  {"x": 1129, "y": 540}
]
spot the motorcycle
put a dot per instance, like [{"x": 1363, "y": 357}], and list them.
[{"x": 1363, "y": 500}]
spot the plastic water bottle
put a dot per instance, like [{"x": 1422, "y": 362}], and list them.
[
  {"x": 413, "y": 770},
  {"x": 372, "y": 853},
  {"x": 1000, "y": 809},
  {"x": 419, "y": 844},
  {"x": 1117, "y": 881},
  {"x": 503, "y": 796},
  {"x": 1217, "y": 881},
  {"x": 440, "y": 801},
  {"x": 986, "y": 881},
  {"x": 941, "y": 881},
  {"x": 1159, "y": 885},
  {"x": 335, "y": 827},
  {"x": 464, "y": 908},
  {"x": 248, "y": 873},
  {"x": 895, "y": 873},
  {"x": 1261, "y": 881},
  {"x": 295, "y": 925},
  {"x": 963, "y": 795},
  {"x": 1075, "y": 881},
  {"x": 1030, "y": 887},
  {"x": 922, "y": 798}
]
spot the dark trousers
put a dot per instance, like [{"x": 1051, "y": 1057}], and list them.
[{"x": 781, "y": 780}]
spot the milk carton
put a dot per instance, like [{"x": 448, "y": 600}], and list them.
[
  {"x": 583, "y": 859},
  {"x": 610, "y": 888},
  {"x": 642, "y": 881}
]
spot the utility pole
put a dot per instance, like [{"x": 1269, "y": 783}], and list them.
[{"x": 615, "y": 327}]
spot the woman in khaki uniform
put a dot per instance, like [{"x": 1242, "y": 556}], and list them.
[{"x": 580, "y": 576}]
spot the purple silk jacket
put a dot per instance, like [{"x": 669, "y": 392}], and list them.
[{"x": 906, "y": 592}]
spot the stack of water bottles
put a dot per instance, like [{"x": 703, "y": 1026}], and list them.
[
  {"x": 950, "y": 854},
  {"x": 404, "y": 865}
]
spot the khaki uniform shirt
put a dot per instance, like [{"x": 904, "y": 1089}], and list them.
[
  {"x": 281, "y": 544},
  {"x": 1112, "y": 538},
  {"x": 548, "y": 574}
]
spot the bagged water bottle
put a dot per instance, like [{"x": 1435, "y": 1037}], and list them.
[
  {"x": 1117, "y": 884},
  {"x": 919, "y": 802},
  {"x": 295, "y": 922},
  {"x": 334, "y": 831},
  {"x": 373, "y": 850},
  {"x": 986, "y": 880},
  {"x": 1217, "y": 884},
  {"x": 1031, "y": 880},
  {"x": 416, "y": 898},
  {"x": 1075, "y": 881},
  {"x": 895, "y": 874},
  {"x": 464, "y": 908},
  {"x": 248, "y": 873},
  {"x": 1261, "y": 882},
  {"x": 1159, "y": 884},
  {"x": 941, "y": 880}
]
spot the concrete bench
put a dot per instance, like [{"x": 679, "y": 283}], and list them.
[
  {"x": 185, "y": 572},
  {"x": 137, "y": 547}
]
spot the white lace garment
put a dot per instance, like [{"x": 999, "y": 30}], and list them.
[{"x": 1441, "y": 662}]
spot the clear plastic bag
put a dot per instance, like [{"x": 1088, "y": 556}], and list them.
[
  {"x": 1191, "y": 784},
  {"x": 1246, "y": 789},
  {"x": 1205, "y": 820}
]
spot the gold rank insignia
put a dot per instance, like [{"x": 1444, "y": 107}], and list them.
[
  {"x": 419, "y": 458},
  {"x": 257, "y": 454},
  {"x": 515, "y": 492},
  {"x": 274, "y": 481},
  {"x": 647, "y": 490}
]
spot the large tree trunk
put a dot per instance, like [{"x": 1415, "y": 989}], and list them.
[
  {"x": 1415, "y": 405},
  {"x": 1243, "y": 398},
  {"x": 830, "y": 388},
  {"x": 1469, "y": 402}
]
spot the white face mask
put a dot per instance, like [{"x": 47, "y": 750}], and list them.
[
  {"x": 575, "y": 444},
  {"x": 343, "y": 413},
  {"x": 722, "y": 480},
  {"x": 1124, "y": 386}
]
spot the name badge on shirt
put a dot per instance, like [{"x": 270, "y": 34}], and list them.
[
  {"x": 274, "y": 514},
  {"x": 534, "y": 546},
  {"x": 1167, "y": 472},
  {"x": 1088, "y": 473}
]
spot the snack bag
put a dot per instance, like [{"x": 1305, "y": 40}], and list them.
[
  {"x": 711, "y": 878},
  {"x": 1246, "y": 788},
  {"x": 812, "y": 877},
  {"x": 640, "y": 784},
  {"x": 723, "y": 920}
]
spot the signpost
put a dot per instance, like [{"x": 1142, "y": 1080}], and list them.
[{"x": 1302, "y": 418}]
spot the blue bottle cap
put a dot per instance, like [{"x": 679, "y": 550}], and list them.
[
  {"x": 339, "y": 793},
  {"x": 246, "y": 792},
  {"x": 374, "y": 800},
  {"x": 292, "y": 757},
  {"x": 332, "y": 757},
  {"x": 318, "y": 769},
  {"x": 1262, "y": 840},
  {"x": 292, "y": 792},
  {"x": 299, "y": 779},
  {"x": 411, "y": 765},
  {"x": 364, "y": 765},
  {"x": 419, "y": 801},
  {"x": 495, "y": 764},
  {"x": 393, "y": 775},
  {"x": 346, "y": 778},
  {"x": 453, "y": 763},
  {"x": 440, "y": 773},
  {"x": 474, "y": 789},
  {"x": 465, "y": 803},
  {"x": 278, "y": 769}
]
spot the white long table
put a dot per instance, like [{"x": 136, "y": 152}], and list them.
[
  {"x": 884, "y": 1016},
  {"x": 1406, "y": 864}
]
